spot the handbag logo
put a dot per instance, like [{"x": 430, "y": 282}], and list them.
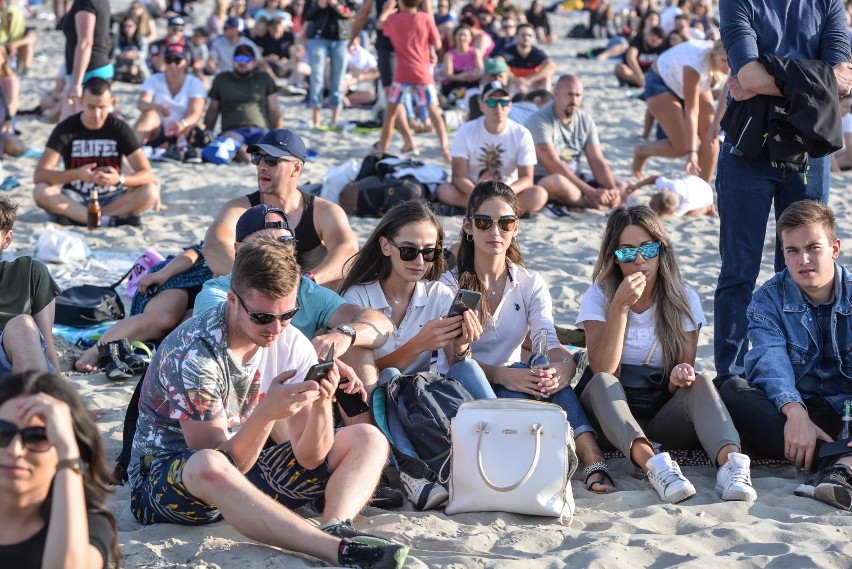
[{"x": 509, "y": 432}]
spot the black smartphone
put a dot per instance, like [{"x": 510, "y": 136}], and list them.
[
  {"x": 833, "y": 448},
  {"x": 350, "y": 403},
  {"x": 464, "y": 300},
  {"x": 320, "y": 371}
]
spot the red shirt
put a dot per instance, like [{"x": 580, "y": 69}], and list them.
[{"x": 411, "y": 36}]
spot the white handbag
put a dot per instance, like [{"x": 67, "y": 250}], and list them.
[{"x": 512, "y": 455}]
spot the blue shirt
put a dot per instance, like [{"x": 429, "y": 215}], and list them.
[
  {"x": 796, "y": 29},
  {"x": 316, "y": 303}
]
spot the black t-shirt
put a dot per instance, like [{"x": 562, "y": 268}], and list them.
[
  {"x": 646, "y": 55},
  {"x": 100, "y": 46},
  {"x": 280, "y": 47},
  {"x": 79, "y": 146},
  {"x": 29, "y": 553},
  {"x": 515, "y": 60}
]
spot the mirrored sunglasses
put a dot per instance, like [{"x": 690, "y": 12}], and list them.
[
  {"x": 33, "y": 438},
  {"x": 264, "y": 318},
  {"x": 243, "y": 59},
  {"x": 506, "y": 223},
  {"x": 410, "y": 253},
  {"x": 492, "y": 103},
  {"x": 628, "y": 254}
]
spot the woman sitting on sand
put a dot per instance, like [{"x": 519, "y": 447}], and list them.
[
  {"x": 678, "y": 90},
  {"x": 642, "y": 322},
  {"x": 53, "y": 478},
  {"x": 516, "y": 304},
  {"x": 462, "y": 63}
]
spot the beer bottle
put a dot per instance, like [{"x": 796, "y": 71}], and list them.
[{"x": 93, "y": 220}]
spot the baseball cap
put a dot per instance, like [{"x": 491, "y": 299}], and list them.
[
  {"x": 176, "y": 50},
  {"x": 492, "y": 88},
  {"x": 494, "y": 65},
  {"x": 244, "y": 49},
  {"x": 254, "y": 219},
  {"x": 176, "y": 21},
  {"x": 235, "y": 22},
  {"x": 280, "y": 143}
]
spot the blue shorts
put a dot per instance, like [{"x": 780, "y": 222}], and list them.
[
  {"x": 103, "y": 199},
  {"x": 105, "y": 72},
  {"x": 654, "y": 85},
  {"x": 6, "y": 365},
  {"x": 247, "y": 135},
  {"x": 158, "y": 494}
]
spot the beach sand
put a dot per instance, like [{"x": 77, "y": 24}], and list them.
[{"x": 630, "y": 527}]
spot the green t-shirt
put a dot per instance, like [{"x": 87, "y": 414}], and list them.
[
  {"x": 242, "y": 100},
  {"x": 26, "y": 286}
]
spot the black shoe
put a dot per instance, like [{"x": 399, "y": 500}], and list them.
[
  {"x": 834, "y": 486},
  {"x": 173, "y": 154},
  {"x": 355, "y": 554},
  {"x": 132, "y": 220},
  {"x": 109, "y": 359},
  {"x": 65, "y": 220},
  {"x": 192, "y": 156},
  {"x": 386, "y": 497},
  {"x": 137, "y": 363}
]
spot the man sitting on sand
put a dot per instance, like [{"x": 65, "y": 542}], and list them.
[
  {"x": 800, "y": 327},
  {"x": 530, "y": 66},
  {"x": 27, "y": 306},
  {"x": 92, "y": 144},
  {"x": 324, "y": 238},
  {"x": 562, "y": 133},
  {"x": 198, "y": 451}
]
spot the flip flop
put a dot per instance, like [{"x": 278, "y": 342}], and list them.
[{"x": 597, "y": 468}]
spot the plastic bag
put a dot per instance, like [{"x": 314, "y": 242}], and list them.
[
  {"x": 220, "y": 151},
  {"x": 337, "y": 177},
  {"x": 57, "y": 246}
]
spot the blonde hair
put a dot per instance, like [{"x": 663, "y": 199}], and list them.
[
  {"x": 716, "y": 75},
  {"x": 664, "y": 203}
]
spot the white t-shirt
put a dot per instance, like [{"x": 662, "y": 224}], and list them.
[
  {"x": 431, "y": 300},
  {"x": 291, "y": 350},
  {"x": 640, "y": 334},
  {"x": 192, "y": 88},
  {"x": 502, "y": 152},
  {"x": 692, "y": 191},
  {"x": 362, "y": 60},
  {"x": 672, "y": 62},
  {"x": 667, "y": 18}
]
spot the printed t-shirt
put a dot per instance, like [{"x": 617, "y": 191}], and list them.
[
  {"x": 501, "y": 153},
  {"x": 524, "y": 65}
]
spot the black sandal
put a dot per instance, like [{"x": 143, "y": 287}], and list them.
[{"x": 597, "y": 468}]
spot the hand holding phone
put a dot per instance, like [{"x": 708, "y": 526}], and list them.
[
  {"x": 320, "y": 371},
  {"x": 464, "y": 300}
]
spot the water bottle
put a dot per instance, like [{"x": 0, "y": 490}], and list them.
[
  {"x": 143, "y": 264},
  {"x": 847, "y": 419},
  {"x": 539, "y": 359}
]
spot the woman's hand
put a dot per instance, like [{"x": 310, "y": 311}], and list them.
[
  {"x": 534, "y": 383},
  {"x": 713, "y": 132},
  {"x": 630, "y": 290},
  {"x": 692, "y": 167},
  {"x": 564, "y": 373},
  {"x": 57, "y": 422},
  {"x": 682, "y": 375},
  {"x": 437, "y": 333},
  {"x": 149, "y": 281},
  {"x": 471, "y": 330}
]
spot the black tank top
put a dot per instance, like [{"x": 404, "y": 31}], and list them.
[{"x": 309, "y": 249}]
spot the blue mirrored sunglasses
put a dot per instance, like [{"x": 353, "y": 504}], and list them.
[{"x": 628, "y": 254}]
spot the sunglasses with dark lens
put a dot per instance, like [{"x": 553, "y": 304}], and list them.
[
  {"x": 506, "y": 223},
  {"x": 270, "y": 161},
  {"x": 243, "y": 59},
  {"x": 264, "y": 318},
  {"x": 410, "y": 253},
  {"x": 173, "y": 60},
  {"x": 492, "y": 103},
  {"x": 628, "y": 254},
  {"x": 33, "y": 438}
]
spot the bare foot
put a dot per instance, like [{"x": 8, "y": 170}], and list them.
[
  {"x": 88, "y": 361},
  {"x": 638, "y": 165}
]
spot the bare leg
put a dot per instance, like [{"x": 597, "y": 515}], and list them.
[
  {"x": 134, "y": 201},
  {"x": 52, "y": 200},
  {"x": 722, "y": 457},
  {"x": 387, "y": 126},
  {"x": 562, "y": 191},
  {"x": 22, "y": 344},
  {"x": 669, "y": 112},
  {"x": 708, "y": 152},
  {"x": 450, "y": 195},
  {"x": 147, "y": 125},
  {"x": 590, "y": 453},
  {"x": 532, "y": 199},
  {"x": 641, "y": 452},
  {"x": 356, "y": 460},
  {"x": 440, "y": 131}
]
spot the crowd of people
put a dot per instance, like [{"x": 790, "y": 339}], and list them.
[{"x": 224, "y": 424}]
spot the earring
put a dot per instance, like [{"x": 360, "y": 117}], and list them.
[{"x": 469, "y": 236}]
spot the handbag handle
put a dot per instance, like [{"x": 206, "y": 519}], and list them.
[{"x": 482, "y": 429}]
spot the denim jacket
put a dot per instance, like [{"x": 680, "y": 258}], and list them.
[{"x": 785, "y": 336}]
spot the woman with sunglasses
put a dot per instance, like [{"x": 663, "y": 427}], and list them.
[
  {"x": 642, "y": 322},
  {"x": 516, "y": 304},
  {"x": 54, "y": 480}
]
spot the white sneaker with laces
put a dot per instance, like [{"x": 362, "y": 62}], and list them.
[
  {"x": 667, "y": 479},
  {"x": 423, "y": 494},
  {"x": 733, "y": 480}
]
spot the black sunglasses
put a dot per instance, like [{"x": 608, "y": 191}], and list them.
[
  {"x": 257, "y": 158},
  {"x": 33, "y": 438},
  {"x": 264, "y": 318},
  {"x": 506, "y": 223},
  {"x": 410, "y": 253},
  {"x": 173, "y": 60}
]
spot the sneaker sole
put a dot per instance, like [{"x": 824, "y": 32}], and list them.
[
  {"x": 735, "y": 496},
  {"x": 433, "y": 501},
  {"x": 834, "y": 495},
  {"x": 117, "y": 375},
  {"x": 684, "y": 493}
]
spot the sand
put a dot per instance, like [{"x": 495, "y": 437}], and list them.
[{"x": 629, "y": 527}]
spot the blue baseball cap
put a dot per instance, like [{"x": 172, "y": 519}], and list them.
[
  {"x": 280, "y": 143},
  {"x": 254, "y": 220},
  {"x": 235, "y": 22}
]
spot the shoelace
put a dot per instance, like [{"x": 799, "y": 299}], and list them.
[
  {"x": 740, "y": 475},
  {"x": 672, "y": 475}
]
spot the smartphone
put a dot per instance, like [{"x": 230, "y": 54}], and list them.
[
  {"x": 350, "y": 403},
  {"x": 320, "y": 371},
  {"x": 833, "y": 448},
  {"x": 464, "y": 300}
]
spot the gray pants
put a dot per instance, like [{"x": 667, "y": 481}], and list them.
[{"x": 694, "y": 415}]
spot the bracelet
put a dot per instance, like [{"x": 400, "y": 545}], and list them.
[
  {"x": 465, "y": 354},
  {"x": 693, "y": 152}
]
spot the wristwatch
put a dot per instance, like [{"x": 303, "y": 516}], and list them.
[
  {"x": 348, "y": 330},
  {"x": 75, "y": 464},
  {"x": 121, "y": 180}
]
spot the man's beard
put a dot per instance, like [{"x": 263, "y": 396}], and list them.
[{"x": 246, "y": 74}]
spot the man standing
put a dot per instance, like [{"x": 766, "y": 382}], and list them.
[
  {"x": 493, "y": 147},
  {"x": 198, "y": 451},
  {"x": 92, "y": 144},
  {"x": 563, "y": 133},
  {"x": 798, "y": 371},
  {"x": 746, "y": 190},
  {"x": 530, "y": 67}
]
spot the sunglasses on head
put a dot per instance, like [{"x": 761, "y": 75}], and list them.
[
  {"x": 173, "y": 60},
  {"x": 33, "y": 438},
  {"x": 506, "y": 223},
  {"x": 243, "y": 59},
  {"x": 264, "y": 318},
  {"x": 410, "y": 253},
  {"x": 492, "y": 103},
  {"x": 257, "y": 158},
  {"x": 628, "y": 254}
]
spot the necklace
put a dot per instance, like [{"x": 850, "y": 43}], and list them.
[{"x": 395, "y": 301}]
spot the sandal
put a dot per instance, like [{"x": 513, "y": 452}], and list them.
[{"x": 597, "y": 468}]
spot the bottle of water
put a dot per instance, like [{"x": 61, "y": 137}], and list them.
[
  {"x": 539, "y": 359},
  {"x": 847, "y": 419}
]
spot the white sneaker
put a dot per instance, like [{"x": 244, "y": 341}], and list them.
[
  {"x": 733, "y": 480},
  {"x": 667, "y": 479},
  {"x": 423, "y": 494}
]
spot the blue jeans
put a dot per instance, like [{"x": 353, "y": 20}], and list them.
[
  {"x": 467, "y": 372},
  {"x": 337, "y": 51},
  {"x": 745, "y": 194}
]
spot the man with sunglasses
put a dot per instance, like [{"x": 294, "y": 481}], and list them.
[
  {"x": 247, "y": 100},
  {"x": 174, "y": 36},
  {"x": 496, "y": 147},
  {"x": 205, "y": 413}
]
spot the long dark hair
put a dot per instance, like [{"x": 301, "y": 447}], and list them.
[
  {"x": 467, "y": 277},
  {"x": 96, "y": 475},
  {"x": 369, "y": 264}
]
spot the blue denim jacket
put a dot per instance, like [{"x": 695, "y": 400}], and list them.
[{"x": 784, "y": 338}]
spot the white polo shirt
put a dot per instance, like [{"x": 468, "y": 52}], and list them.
[
  {"x": 526, "y": 305},
  {"x": 431, "y": 300}
]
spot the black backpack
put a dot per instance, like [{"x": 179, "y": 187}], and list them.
[{"x": 87, "y": 305}]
